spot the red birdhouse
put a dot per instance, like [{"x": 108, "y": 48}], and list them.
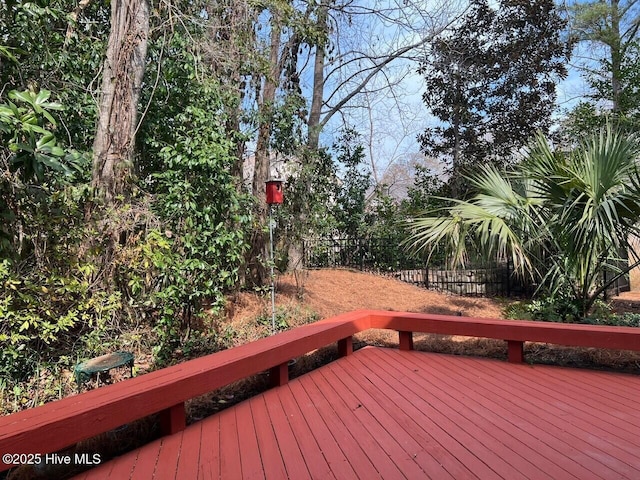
[{"x": 274, "y": 192}]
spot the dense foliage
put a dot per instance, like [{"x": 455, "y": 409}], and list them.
[
  {"x": 561, "y": 219},
  {"x": 491, "y": 82},
  {"x": 77, "y": 280},
  {"x": 229, "y": 89}
]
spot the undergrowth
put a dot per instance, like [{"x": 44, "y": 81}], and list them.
[{"x": 554, "y": 310}]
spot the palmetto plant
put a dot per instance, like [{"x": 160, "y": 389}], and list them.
[{"x": 562, "y": 219}]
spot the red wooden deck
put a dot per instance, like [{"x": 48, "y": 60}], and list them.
[{"x": 383, "y": 413}]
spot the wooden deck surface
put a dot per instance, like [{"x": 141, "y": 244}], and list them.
[{"x": 384, "y": 413}]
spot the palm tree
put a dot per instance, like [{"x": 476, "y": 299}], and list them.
[{"x": 562, "y": 219}]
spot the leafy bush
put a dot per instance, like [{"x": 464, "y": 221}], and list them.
[
  {"x": 551, "y": 310},
  {"x": 287, "y": 317},
  {"x": 44, "y": 314},
  {"x": 199, "y": 254},
  {"x": 617, "y": 320}
]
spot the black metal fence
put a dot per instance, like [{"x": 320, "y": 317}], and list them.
[
  {"x": 372, "y": 254},
  {"x": 387, "y": 256}
]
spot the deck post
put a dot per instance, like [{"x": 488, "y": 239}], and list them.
[
  {"x": 279, "y": 375},
  {"x": 173, "y": 419},
  {"x": 345, "y": 346},
  {"x": 515, "y": 351},
  {"x": 406, "y": 340}
]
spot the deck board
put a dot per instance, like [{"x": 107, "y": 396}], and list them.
[
  {"x": 209, "y": 444},
  {"x": 420, "y": 447},
  {"x": 526, "y": 437},
  {"x": 383, "y": 413},
  {"x": 294, "y": 461},
  {"x": 271, "y": 455},
  {"x": 189, "y": 456},
  {"x": 566, "y": 424},
  {"x": 446, "y": 402},
  {"x": 585, "y": 412},
  {"x": 383, "y": 447},
  {"x": 311, "y": 451},
  {"x": 521, "y": 406},
  {"x": 467, "y": 434},
  {"x": 248, "y": 443},
  {"x": 230, "y": 462}
]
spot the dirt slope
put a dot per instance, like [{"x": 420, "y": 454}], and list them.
[{"x": 331, "y": 292}]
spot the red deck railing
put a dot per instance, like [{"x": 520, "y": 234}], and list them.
[{"x": 60, "y": 424}]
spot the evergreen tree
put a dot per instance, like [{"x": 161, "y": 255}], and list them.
[{"x": 491, "y": 82}]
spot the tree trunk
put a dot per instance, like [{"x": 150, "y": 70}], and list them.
[
  {"x": 616, "y": 59},
  {"x": 113, "y": 147},
  {"x": 313, "y": 123},
  {"x": 314, "y": 127},
  {"x": 259, "y": 252}
]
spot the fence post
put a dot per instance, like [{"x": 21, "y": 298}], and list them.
[{"x": 508, "y": 277}]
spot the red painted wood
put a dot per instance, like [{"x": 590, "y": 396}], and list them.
[
  {"x": 287, "y": 442},
  {"x": 374, "y": 447},
  {"x": 436, "y": 448},
  {"x": 556, "y": 429},
  {"x": 120, "y": 467},
  {"x": 249, "y": 451},
  {"x": 375, "y": 428},
  {"x": 230, "y": 465},
  {"x": 417, "y": 443},
  {"x": 353, "y": 450},
  {"x": 345, "y": 346},
  {"x": 624, "y": 338},
  {"x": 405, "y": 340},
  {"x": 382, "y": 413},
  {"x": 618, "y": 386},
  {"x": 468, "y": 438},
  {"x": 472, "y": 421},
  {"x": 585, "y": 403},
  {"x": 173, "y": 420},
  {"x": 310, "y": 448},
  {"x": 270, "y": 454},
  {"x": 448, "y": 381},
  {"x": 48, "y": 428},
  {"x": 169, "y": 455},
  {"x": 146, "y": 462},
  {"x": 331, "y": 449},
  {"x": 515, "y": 351},
  {"x": 279, "y": 375},
  {"x": 189, "y": 460},
  {"x": 59, "y": 424},
  {"x": 209, "y": 463},
  {"x": 578, "y": 429}
]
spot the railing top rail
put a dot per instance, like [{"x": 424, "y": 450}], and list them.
[{"x": 60, "y": 424}]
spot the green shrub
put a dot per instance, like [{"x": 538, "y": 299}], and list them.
[
  {"x": 617, "y": 320},
  {"x": 286, "y": 317},
  {"x": 44, "y": 314},
  {"x": 198, "y": 256}
]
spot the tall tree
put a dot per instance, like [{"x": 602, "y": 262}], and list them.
[
  {"x": 123, "y": 70},
  {"x": 610, "y": 27},
  {"x": 491, "y": 81}
]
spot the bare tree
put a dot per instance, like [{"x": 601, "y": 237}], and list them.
[{"x": 375, "y": 45}]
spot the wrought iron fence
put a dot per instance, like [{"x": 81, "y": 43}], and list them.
[{"x": 386, "y": 255}]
